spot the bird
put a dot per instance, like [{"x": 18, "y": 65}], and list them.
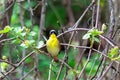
[{"x": 53, "y": 45}]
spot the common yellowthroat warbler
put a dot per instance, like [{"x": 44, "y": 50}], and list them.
[{"x": 53, "y": 45}]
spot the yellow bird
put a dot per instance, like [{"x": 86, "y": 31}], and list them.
[{"x": 53, "y": 45}]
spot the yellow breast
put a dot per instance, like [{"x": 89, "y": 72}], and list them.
[{"x": 53, "y": 45}]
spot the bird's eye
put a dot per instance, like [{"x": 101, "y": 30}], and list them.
[{"x": 52, "y": 31}]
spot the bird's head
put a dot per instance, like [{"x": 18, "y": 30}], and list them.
[{"x": 53, "y": 33}]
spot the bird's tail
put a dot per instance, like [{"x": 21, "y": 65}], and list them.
[{"x": 55, "y": 59}]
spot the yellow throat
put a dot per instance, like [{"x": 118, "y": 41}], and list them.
[{"x": 53, "y": 46}]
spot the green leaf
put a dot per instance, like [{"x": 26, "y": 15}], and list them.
[
  {"x": 17, "y": 41},
  {"x": 92, "y": 33},
  {"x": 95, "y": 32},
  {"x": 113, "y": 52},
  {"x": 25, "y": 44},
  {"x": 18, "y": 30},
  {"x": 28, "y": 60},
  {"x": 23, "y": 33},
  {"x": 32, "y": 33},
  {"x": 104, "y": 27},
  {"x": 4, "y": 66},
  {"x": 32, "y": 41},
  {"x": 40, "y": 44},
  {"x": 86, "y": 36},
  {"x": 5, "y": 30},
  {"x": 28, "y": 23},
  {"x": 96, "y": 39},
  {"x": 116, "y": 58},
  {"x": 70, "y": 75},
  {"x": 4, "y": 57}
]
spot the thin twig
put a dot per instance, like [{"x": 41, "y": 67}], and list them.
[
  {"x": 24, "y": 51},
  {"x": 97, "y": 69},
  {"x": 110, "y": 33},
  {"x": 30, "y": 8},
  {"x": 55, "y": 11},
  {"x": 62, "y": 65},
  {"x": 97, "y": 16},
  {"x": 105, "y": 71},
  {"x": 80, "y": 58},
  {"x": 13, "y": 65},
  {"x": 85, "y": 29},
  {"x": 76, "y": 29},
  {"x": 65, "y": 64},
  {"x": 71, "y": 19},
  {"x": 28, "y": 73},
  {"x": 9, "y": 7},
  {"x": 93, "y": 15},
  {"x": 76, "y": 25},
  {"x": 40, "y": 33},
  {"x": 79, "y": 20},
  {"x": 50, "y": 67},
  {"x": 96, "y": 59},
  {"x": 88, "y": 59},
  {"x": 17, "y": 65},
  {"x": 116, "y": 69},
  {"x": 5, "y": 76},
  {"x": 60, "y": 70},
  {"x": 3, "y": 40},
  {"x": 112, "y": 18}
]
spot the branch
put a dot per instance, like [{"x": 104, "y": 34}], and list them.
[
  {"x": 3, "y": 40},
  {"x": 16, "y": 65},
  {"x": 112, "y": 18},
  {"x": 71, "y": 19},
  {"x": 13, "y": 65},
  {"x": 79, "y": 20},
  {"x": 105, "y": 71},
  {"x": 97, "y": 16},
  {"x": 50, "y": 67},
  {"x": 7, "y": 9},
  {"x": 88, "y": 59},
  {"x": 112, "y": 43}
]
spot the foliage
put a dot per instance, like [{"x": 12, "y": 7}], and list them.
[
  {"x": 5, "y": 30},
  {"x": 4, "y": 66},
  {"x": 104, "y": 27},
  {"x": 114, "y": 53},
  {"x": 92, "y": 34},
  {"x": 19, "y": 38}
]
